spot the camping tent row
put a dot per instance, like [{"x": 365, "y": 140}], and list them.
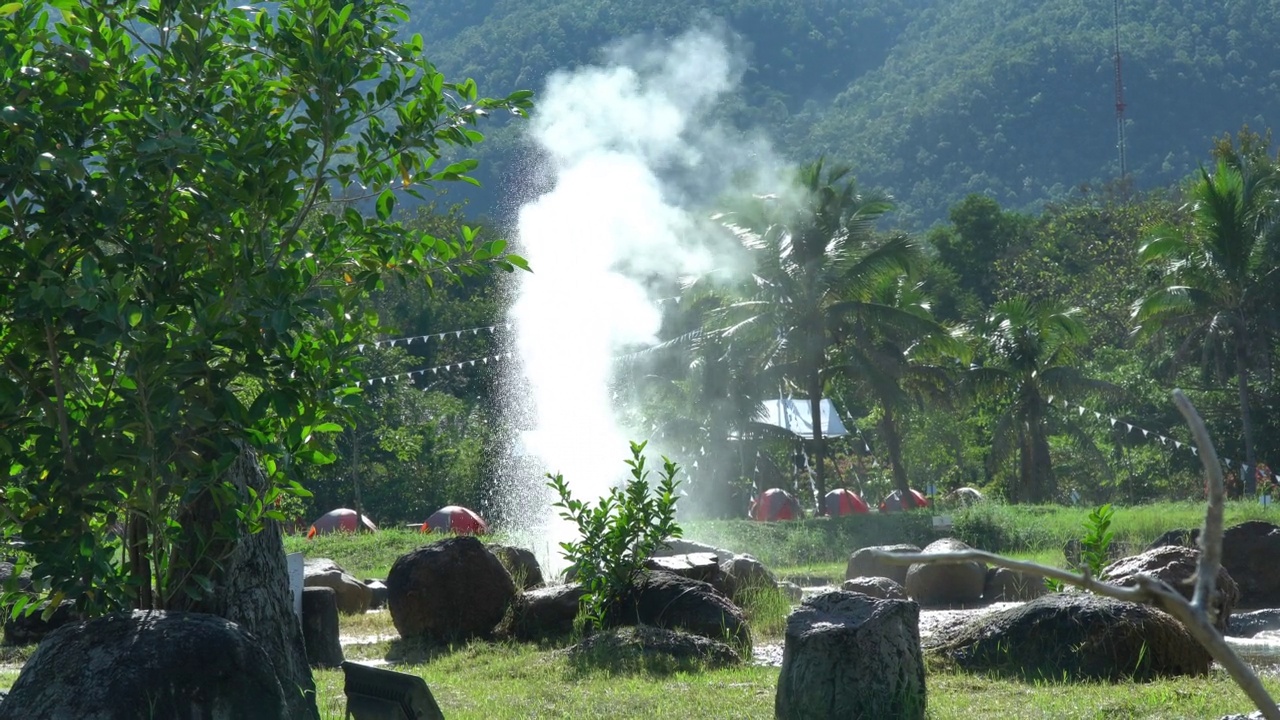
[
  {"x": 777, "y": 504},
  {"x": 451, "y": 518}
]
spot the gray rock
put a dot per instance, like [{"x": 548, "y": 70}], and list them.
[
  {"x": 847, "y": 655},
  {"x": 176, "y": 665},
  {"x": 742, "y": 574},
  {"x": 1005, "y": 585},
  {"x": 949, "y": 585},
  {"x": 880, "y": 588},
  {"x": 793, "y": 591},
  {"x": 695, "y": 566},
  {"x": 521, "y": 563},
  {"x": 680, "y": 546},
  {"x": 864, "y": 563},
  {"x": 1248, "y": 624},
  {"x": 547, "y": 612},
  {"x": 354, "y": 597},
  {"x": 379, "y": 590}
]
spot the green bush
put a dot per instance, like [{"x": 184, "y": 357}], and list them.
[{"x": 619, "y": 534}]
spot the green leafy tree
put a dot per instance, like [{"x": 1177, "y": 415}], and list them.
[
  {"x": 1029, "y": 357},
  {"x": 897, "y": 355},
  {"x": 979, "y": 235},
  {"x": 812, "y": 257},
  {"x": 1216, "y": 276},
  {"x": 184, "y": 265}
]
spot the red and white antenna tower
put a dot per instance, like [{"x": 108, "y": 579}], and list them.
[{"x": 1119, "y": 93}]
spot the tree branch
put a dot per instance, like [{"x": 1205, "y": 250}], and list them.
[{"x": 1195, "y": 615}]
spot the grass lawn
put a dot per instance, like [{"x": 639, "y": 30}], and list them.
[
  {"x": 482, "y": 680},
  {"x": 506, "y": 680}
]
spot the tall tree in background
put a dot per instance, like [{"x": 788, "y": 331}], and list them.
[
  {"x": 1029, "y": 357},
  {"x": 893, "y": 352},
  {"x": 182, "y": 287},
  {"x": 811, "y": 254},
  {"x": 1217, "y": 272}
]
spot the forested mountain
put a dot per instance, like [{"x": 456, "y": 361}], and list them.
[{"x": 929, "y": 100}]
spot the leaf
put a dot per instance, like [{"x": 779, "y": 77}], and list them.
[
  {"x": 386, "y": 201},
  {"x": 10, "y": 8}
]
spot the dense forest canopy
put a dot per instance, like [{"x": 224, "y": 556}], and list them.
[{"x": 929, "y": 100}]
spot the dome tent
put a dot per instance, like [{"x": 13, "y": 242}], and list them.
[
  {"x": 775, "y": 504},
  {"x": 893, "y": 502},
  {"x": 842, "y": 501},
  {"x": 455, "y": 519},
  {"x": 340, "y": 520}
]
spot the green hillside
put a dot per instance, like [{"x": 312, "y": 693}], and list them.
[{"x": 931, "y": 100}]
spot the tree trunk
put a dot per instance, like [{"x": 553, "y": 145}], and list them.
[
  {"x": 819, "y": 447},
  {"x": 250, "y": 584},
  {"x": 1249, "y": 481},
  {"x": 889, "y": 428},
  {"x": 1042, "y": 484}
]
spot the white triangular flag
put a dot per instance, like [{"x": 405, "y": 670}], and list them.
[
  {"x": 1113, "y": 422},
  {"x": 458, "y": 334},
  {"x": 1177, "y": 444},
  {"x": 1080, "y": 411},
  {"x": 360, "y": 347},
  {"x": 1097, "y": 415},
  {"x": 1145, "y": 432}
]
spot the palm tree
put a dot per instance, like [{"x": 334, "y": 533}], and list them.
[
  {"x": 813, "y": 256},
  {"x": 895, "y": 353},
  {"x": 1029, "y": 349},
  {"x": 1216, "y": 274}
]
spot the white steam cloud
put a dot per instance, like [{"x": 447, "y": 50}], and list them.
[{"x": 629, "y": 147}]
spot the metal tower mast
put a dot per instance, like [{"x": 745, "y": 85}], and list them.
[{"x": 1124, "y": 170}]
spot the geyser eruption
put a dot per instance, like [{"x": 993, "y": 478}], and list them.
[{"x": 627, "y": 149}]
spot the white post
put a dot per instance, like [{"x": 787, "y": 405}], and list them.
[{"x": 296, "y": 574}]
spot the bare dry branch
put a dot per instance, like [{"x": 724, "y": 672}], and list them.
[{"x": 1196, "y": 616}]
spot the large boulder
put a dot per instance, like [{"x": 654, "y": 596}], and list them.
[
  {"x": 320, "y": 629},
  {"x": 644, "y": 644},
  {"x": 1176, "y": 567},
  {"x": 449, "y": 590},
  {"x": 1076, "y": 636},
  {"x": 148, "y": 665},
  {"x": 1247, "y": 550},
  {"x": 521, "y": 563},
  {"x": 865, "y": 563},
  {"x": 847, "y": 655},
  {"x": 878, "y": 587},
  {"x": 1005, "y": 585},
  {"x": 679, "y": 603},
  {"x": 946, "y": 585},
  {"x": 546, "y": 612},
  {"x": 354, "y": 597},
  {"x": 1248, "y": 553}
]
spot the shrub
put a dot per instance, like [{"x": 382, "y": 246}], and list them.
[{"x": 619, "y": 534}]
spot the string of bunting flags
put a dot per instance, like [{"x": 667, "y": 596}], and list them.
[
  {"x": 1159, "y": 437},
  {"x": 447, "y": 367},
  {"x": 433, "y": 336}
]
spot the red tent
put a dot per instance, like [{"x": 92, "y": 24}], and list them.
[
  {"x": 844, "y": 502},
  {"x": 893, "y": 503},
  {"x": 455, "y": 519},
  {"x": 775, "y": 504},
  {"x": 340, "y": 520}
]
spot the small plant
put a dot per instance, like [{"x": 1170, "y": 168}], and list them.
[
  {"x": 619, "y": 534},
  {"x": 1095, "y": 546}
]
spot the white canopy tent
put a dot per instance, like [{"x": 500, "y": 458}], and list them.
[{"x": 793, "y": 414}]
